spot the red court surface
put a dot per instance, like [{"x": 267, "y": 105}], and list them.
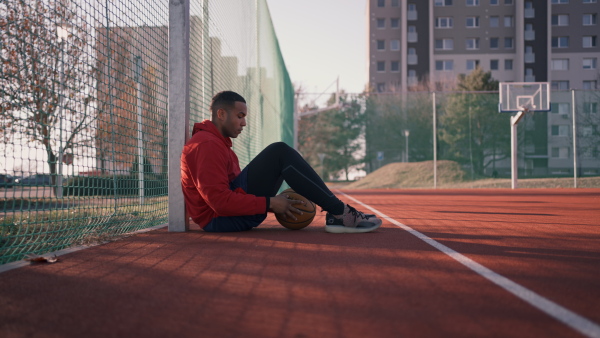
[{"x": 543, "y": 245}]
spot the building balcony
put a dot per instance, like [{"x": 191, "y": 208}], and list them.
[
  {"x": 412, "y": 59},
  {"x": 529, "y": 57},
  {"x": 411, "y": 15},
  {"x": 412, "y": 37},
  {"x": 529, "y": 13},
  {"x": 529, "y": 35}
]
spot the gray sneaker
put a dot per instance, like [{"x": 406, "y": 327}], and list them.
[{"x": 352, "y": 221}]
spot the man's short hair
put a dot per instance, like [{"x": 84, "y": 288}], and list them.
[{"x": 226, "y": 100}]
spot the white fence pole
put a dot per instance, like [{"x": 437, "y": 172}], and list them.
[{"x": 179, "y": 106}]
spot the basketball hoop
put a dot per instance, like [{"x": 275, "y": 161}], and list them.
[{"x": 522, "y": 98}]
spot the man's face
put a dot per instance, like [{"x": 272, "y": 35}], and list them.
[{"x": 234, "y": 120}]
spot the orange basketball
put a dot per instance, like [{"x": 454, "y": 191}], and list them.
[{"x": 308, "y": 212}]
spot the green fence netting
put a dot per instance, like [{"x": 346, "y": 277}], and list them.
[
  {"x": 473, "y": 140},
  {"x": 392, "y": 139},
  {"x": 83, "y": 110}
]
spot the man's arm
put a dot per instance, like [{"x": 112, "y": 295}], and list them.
[{"x": 208, "y": 166}]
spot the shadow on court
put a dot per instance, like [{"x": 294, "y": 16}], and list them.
[{"x": 274, "y": 282}]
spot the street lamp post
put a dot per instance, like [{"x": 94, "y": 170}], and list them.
[{"x": 406, "y": 133}]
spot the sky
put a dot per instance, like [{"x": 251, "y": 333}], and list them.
[{"x": 322, "y": 40}]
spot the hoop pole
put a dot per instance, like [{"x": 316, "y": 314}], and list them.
[{"x": 514, "y": 120}]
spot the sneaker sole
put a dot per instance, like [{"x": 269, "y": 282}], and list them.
[{"x": 340, "y": 229}]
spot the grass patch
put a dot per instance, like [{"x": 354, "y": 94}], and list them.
[
  {"x": 39, "y": 231},
  {"x": 419, "y": 175}
]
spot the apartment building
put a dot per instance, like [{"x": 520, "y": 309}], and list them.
[
  {"x": 433, "y": 41},
  {"x": 415, "y": 42}
]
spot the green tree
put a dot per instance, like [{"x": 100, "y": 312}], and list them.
[
  {"x": 349, "y": 122},
  {"x": 334, "y": 135},
  {"x": 472, "y": 131}
]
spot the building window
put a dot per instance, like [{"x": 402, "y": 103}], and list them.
[
  {"x": 589, "y": 19},
  {"x": 380, "y": 23},
  {"x": 444, "y": 65},
  {"x": 589, "y": 41},
  {"x": 560, "y": 64},
  {"x": 494, "y": 43},
  {"x": 444, "y": 44},
  {"x": 494, "y": 21},
  {"x": 589, "y": 63},
  {"x": 381, "y": 66},
  {"x": 589, "y": 1},
  {"x": 443, "y": 3},
  {"x": 494, "y": 2},
  {"x": 509, "y": 43},
  {"x": 381, "y": 87},
  {"x": 472, "y": 64},
  {"x": 590, "y": 108},
  {"x": 559, "y": 85},
  {"x": 560, "y": 42},
  {"x": 508, "y": 21},
  {"x": 508, "y": 2},
  {"x": 508, "y": 64},
  {"x": 589, "y": 85},
  {"x": 395, "y": 45},
  {"x": 560, "y": 19},
  {"x": 560, "y": 130},
  {"x": 394, "y": 3},
  {"x": 395, "y": 66},
  {"x": 472, "y": 43},
  {"x": 561, "y": 108},
  {"x": 472, "y": 2},
  {"x": 394, "y": 23},
  {"x": 380, "y": 3},
  {"x": 380, "y": 44},
  {"x": 560, "y": 152},
  {"x": 444, "y": 22},
  {"x": 494, "y": 64},
  {"x": 472, "y": 21},
  {"x": 560, "y": 2}
]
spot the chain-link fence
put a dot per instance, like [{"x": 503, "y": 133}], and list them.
[
  {"x": 386, "y": 140},
  {"x": 473, "y": 141},
  {"x": 84, "y": 113}
]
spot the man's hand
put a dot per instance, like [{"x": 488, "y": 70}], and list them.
[{"x": 282, "y": 205}]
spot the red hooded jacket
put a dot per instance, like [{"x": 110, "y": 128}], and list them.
[{"x": 208, "y": 165}]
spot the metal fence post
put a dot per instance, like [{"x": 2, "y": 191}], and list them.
[
  {"x": 179, "y": 106},
  {"x": 573, "y": 110},
  {"x": 434, "y": 142}
]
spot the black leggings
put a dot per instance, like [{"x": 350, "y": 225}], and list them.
[{"x": 279, "y": 162}]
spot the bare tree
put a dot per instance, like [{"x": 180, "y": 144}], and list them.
[{"x": 47, "y": 78}]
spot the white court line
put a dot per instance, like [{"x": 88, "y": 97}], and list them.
[{"x": 568, "y": 317}]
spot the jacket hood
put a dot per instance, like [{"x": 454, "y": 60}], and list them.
[{"x": 210, "y": 127}]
